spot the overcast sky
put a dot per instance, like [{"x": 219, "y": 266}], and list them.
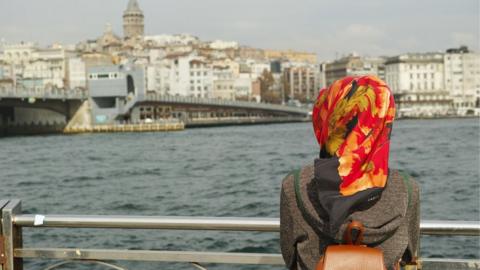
[{"x": 329, "y": 28}]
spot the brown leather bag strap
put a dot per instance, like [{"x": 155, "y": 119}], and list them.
[{"x": 354, "y": 233}]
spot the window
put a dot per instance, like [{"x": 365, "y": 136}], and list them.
[
  {"x": 192, "y": 88},
  {"x": 205, "y": 88},
  {"x": 192, "y": 74},
  {"x": 205, "y": 73},
  {"x": 198, "y": 73},
  {"x": 103, "y": 76},
  {"x": 199, "y": 88}
]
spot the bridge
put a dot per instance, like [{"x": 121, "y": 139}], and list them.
[
  {"x": 27, "y": 111},
  {"x": 33, "y": 111}
]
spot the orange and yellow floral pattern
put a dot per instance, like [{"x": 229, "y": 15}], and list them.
[{"x": 352, "y": 120}]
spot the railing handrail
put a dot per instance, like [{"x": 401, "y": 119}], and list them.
[
  {"x": 12, "y": 220},
  {"x": 427, "y": 227}
]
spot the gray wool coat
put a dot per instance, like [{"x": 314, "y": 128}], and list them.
[{"x": 395, "y": 215}]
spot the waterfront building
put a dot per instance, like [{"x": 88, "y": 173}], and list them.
[
  {"x": 417, "y": 81},
  {"x": 88, "y": 46},
  {"x": 301, "y": 82},
  {"x": 291, "y": 56},
  {"x": 46, "y": 69},
  {"x": 233, "y": 65},
  {"x": 184, "y": 74},
  {"x": 6, "y": 83},
  {"x": 223, "y": 83},
  {"x": 19, "y": 54},
  {"x": 76, "y": 73},
  {"x": 96, "y": 59},
  {"x": 257, "y": 68},
  {"x": 244, "y": 88},
  {"x": 245, "y": 52},
  {"x": 322, "y": 75},
  {"x": 133, "y": 21},
  {"x": 222, "y": 45},
  {"x": 256, "y": 91},
  {"x": 6, "y": 70},
  {"x": 462, "y": 79},
  {"x": 109, "y": 41},
  {"x": 246, "y": 82},
  {"x": 354, "y": 65},
  {"x": 171, "y": 40}
]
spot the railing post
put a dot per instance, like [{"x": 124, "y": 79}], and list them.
[
  {"x": 3, "y": 258},
  {"x": 12, "y": 235}
]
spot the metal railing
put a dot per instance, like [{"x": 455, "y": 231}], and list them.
[
  {"x": 77, "y": 93},
  {"x": 226, "y": 103},
  {"x": 43, "y": 93},
  {"x": 13, "y": 222}
]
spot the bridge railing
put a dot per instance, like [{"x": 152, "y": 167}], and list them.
[
  {"x": 77, "y": 93},
  {"x": 13, "y": 221},
  {"x": 43, "y": 93},
  {"x": 225, "y": 103}
]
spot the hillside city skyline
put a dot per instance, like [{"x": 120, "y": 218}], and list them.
[
  {"x": 425, "y": 84},
  {"x": 358, "y": 35}
]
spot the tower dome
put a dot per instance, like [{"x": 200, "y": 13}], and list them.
[{"x": 133, "y": 24}]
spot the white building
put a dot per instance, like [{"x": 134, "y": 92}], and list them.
[
  {"x": 352, "y": 65},
  {"x": 76, "y": 73},
  {"x": 181, "y": 75},
  {"x": 166, "y": 40},
  {"x": 222, "y": 45},
  {"x": 301, "y": 82},
  {"x": 257, "y": 67},
  {"x": 462, "y": 79},
  {"x": 243, "y": 87},
  {"x": 36, "y": 68},
  {"x": 223, "y": 83},
  {"x": 19, "y": 54},
  {"x": 417, "y": 81},
  {"x": 46, "y": 69}
]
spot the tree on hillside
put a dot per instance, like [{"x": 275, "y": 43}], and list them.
[{"x": 266, "y": 92}]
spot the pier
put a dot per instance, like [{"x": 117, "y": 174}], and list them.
[
  {"x": 140, "y": 127},
  {"x": 13, "y": 252}
]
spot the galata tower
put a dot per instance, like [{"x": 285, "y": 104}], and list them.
[{"x": 133, "y": 25}]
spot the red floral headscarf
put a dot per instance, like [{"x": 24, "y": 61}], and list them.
[{"x": 352, "y": 120}]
